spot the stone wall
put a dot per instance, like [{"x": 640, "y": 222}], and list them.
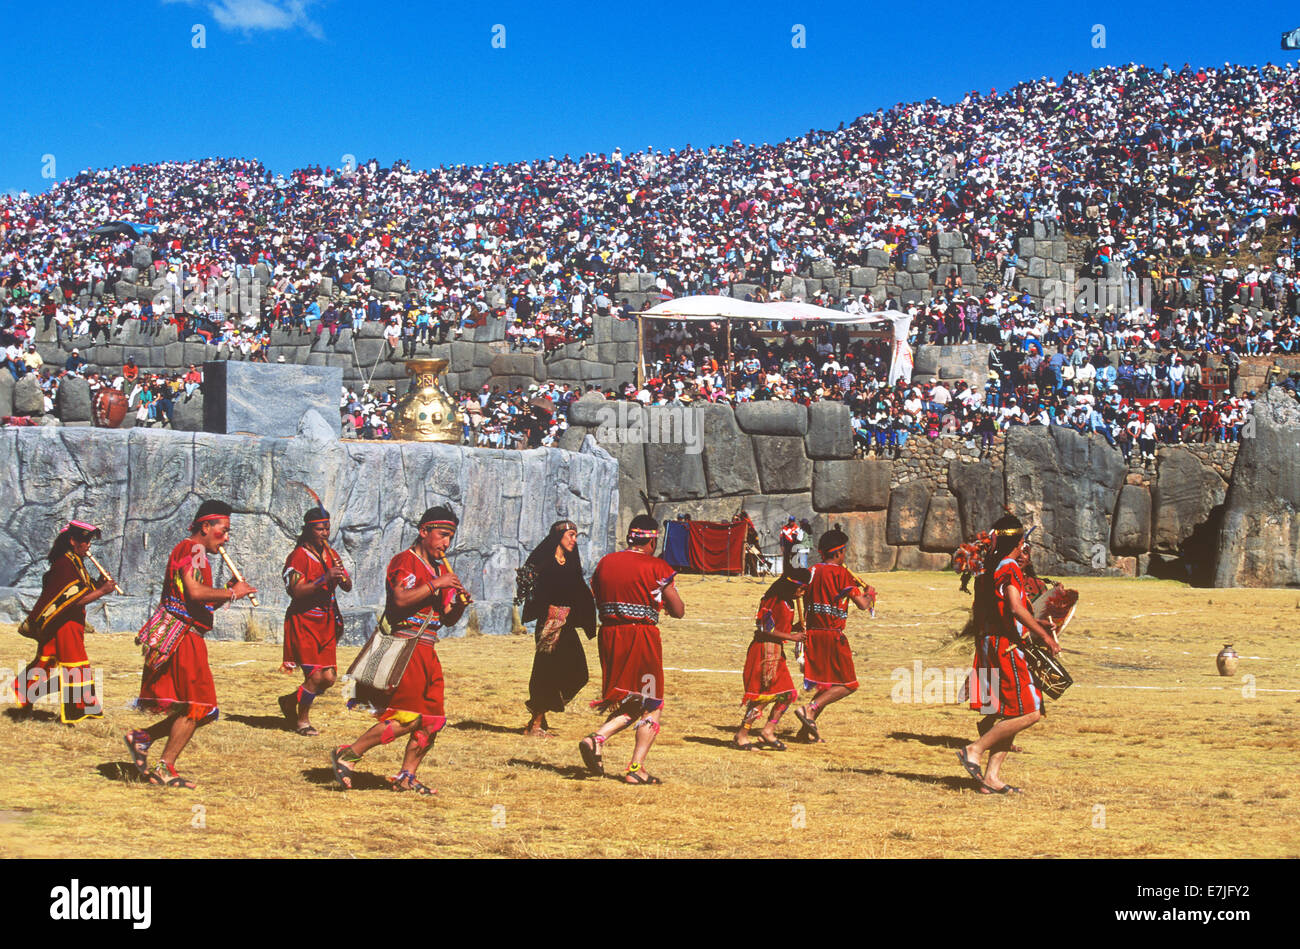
[
  {"x": 777, "y": 459},
  {"x": 143, "y": 487}
]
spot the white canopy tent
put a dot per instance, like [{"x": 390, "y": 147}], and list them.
[{"x": 785, "y": 311}]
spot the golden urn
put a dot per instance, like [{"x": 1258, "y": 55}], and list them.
[{"x": 426, "y": 412}]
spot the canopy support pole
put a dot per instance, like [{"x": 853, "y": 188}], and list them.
[
  {"x": 726, "y": 366},
  {"x": 640, "y": 352}
]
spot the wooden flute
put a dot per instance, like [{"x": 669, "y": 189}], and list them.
[{"x": 234, "y": 572}]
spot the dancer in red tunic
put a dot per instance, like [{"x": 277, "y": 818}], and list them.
[
  {"x": 767, "y": 678},
  {"x": 1001, "y": 684},
  {"x": 177, "y": 680},
  {"x": 58, "y": 624},
  {"x": 828, "y": 660},
  {"x": 424, "y": 596},
  {"x": 312, "y": 623},
  {"x": 631, "y": 586}
]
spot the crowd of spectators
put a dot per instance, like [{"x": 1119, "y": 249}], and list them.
[{"x": 1184, "y": 177}]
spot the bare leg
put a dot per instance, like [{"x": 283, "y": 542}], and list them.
[
  {"x": 179, "y": 736},
  {"x": 752, "y": 712},
  {"x": 769, "y": 730},
  {"x": 997, "y": 740},
  {"x": 645, "y": 737}
]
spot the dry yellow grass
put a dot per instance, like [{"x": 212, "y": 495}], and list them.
[{"x": 1172, "y": 759}]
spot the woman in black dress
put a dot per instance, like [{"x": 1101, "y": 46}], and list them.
[{"x": 560, "y": 602}]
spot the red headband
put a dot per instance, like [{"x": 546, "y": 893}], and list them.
[
  {"x": 210, "y": 517},
  {"x": 832, "y": 550}
]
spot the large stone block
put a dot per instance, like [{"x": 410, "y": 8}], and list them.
[
  {"x": 942, "y": 532},
  {"x": 187, "y": 412},
  {"x": 1067, "y": 485},
  {"x": 268, "y": 398},
  {"x": 729, "y": 464},
  {"x": 672, "y": 473},
  {"x": 830, "y": 431},
  {"x": 6, "y": 394},
  {"x": 907, "y": 506},
  {"x": 1184, "y": 498},
  {"x": 911, "y": 557},
  {"x": 73, "y": 401},
  {"x": 867, "y": 551},
  {"x": 863, "y": 276},
  {"x": 851, "y": 485},
  {"x": 27, "y": 396},
  {"x": 772, "y": 417},
  {"x": 1131, "y": 527},
  {"x": 878, "y": 259},
  {"x": 981, "y": 495},
  {"x": 783, "y": 465}
]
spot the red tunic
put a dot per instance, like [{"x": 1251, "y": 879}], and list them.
[
  {"x": 420, "y": 692},
  {"x": 629, "y": 586},
  {"x": 184, "y": 685},
  {"x": 311, "y": 623},
  {"x": 1001, "y": 683},
  {"x": 61, "y": 663},
  {"x": 828, "y": 660},
  {"x": 766, "y": 675}
]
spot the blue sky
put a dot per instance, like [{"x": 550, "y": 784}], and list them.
[{"x": 295, "y": 82}]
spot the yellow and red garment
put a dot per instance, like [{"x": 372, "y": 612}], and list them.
[
  {"x": 184, "y": 685},
  {"x": 766, "y": 675},
  {"x": 61, "y": 660}
]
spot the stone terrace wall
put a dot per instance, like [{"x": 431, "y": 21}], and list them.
[{"x": 777, "y": 459}]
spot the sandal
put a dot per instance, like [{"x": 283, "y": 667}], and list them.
[
  {"x": 406, "y": 781},
  {"x": 636, "y": 776},
  {"x": 592, "y": 756},
  {"x": 748, "y": 746},
  {"x": 776, "y": 744},
  {"x": 341, "y": 774},
  {"x": 164, "y": 775},
  {"x": 308, "y": 731},
  {"x": 1005, "y": 789},
  {"x": 809, "y": 724},
  {"x": 972, "y": 767},
  {"x": 138, "y": 742}
]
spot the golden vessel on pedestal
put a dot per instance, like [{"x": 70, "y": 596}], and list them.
[{"x": 426, "y": 412}]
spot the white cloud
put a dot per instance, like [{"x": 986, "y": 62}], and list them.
[{"x": 248, "y": 16}]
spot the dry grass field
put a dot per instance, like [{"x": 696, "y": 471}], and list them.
[{"x": 1150, "y": 754}]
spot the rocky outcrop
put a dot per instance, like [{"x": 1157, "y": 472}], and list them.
[{"x": 1259, "y": 545}]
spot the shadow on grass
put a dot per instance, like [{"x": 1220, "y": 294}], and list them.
[
  {"x": 951, "y": 782},
  {"x": 361, "y": 780},
  {"x": 570, "y": 772},
  {"x": 712, "y": 742},
  {"x": 272, "y": 722},
  {"x": 936, "y": 741},
  {"x": 473, "y": 726},
  {"x": 30, "y": 715},
  {"x": 122, "y": 771}
]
